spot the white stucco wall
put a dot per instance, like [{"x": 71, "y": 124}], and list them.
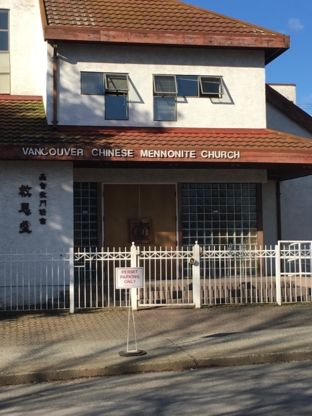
[
  {"x": 58, "y": 230},
  {"x": 296, "y": 202},
  {"x": 277, "y": 120},
  {"x": 287, "y": 90},
  {"x": 296, "y": 194},
  {"x": 28, "y": 61},
  {"x": 242, "y": 106}
]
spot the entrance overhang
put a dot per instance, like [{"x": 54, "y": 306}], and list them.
[{"x": 283, "y": 156}]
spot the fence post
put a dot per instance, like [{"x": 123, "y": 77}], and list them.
[
  {"x": 196, "y": 274},
  {"x": 134, "y": 263},
  {"x": 71, "y": 281},
  {"x": 278, "y": 275}
]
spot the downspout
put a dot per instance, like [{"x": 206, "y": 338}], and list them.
[
  {"x": 278, "y": 211},
  {"x": 54, "y": 85}
]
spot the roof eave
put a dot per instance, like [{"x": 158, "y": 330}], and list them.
[{"x": 274, "y": 44}]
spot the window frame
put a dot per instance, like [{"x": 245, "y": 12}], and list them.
[
  {"x": 158, "y": 98},
  {"x": 111, "y": 92},
  {"x": 5, "y": 75},
  {"x": 165, "y": 93},
  {"x": 210, "y": 94},
  {"x": 195, "y": 78},
  {"x": 116, "y": 91},
  {"x": 91, "y": 93}
]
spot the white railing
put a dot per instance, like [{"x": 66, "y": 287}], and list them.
[
  {"x": 95, "y": 278},
  {"x": 168, "y": 277},
  {"x": 62, "y": 279},
  {"x": 238, "y": 275},
  {"x": 295, "y": 271},
  {"x": 35, "y": 280}
]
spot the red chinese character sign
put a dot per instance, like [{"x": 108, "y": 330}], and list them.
[{"x": 129, "y": 277}]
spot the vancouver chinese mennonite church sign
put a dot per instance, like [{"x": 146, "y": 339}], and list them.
[{"x": 104, "y": 153}]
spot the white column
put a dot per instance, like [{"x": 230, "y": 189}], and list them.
[
  {"x": 134, "y": 263},
  {"x": 71, "y": 281},
  {"x": 278, "y": 275},
  {"x": 196, "y": 275}
]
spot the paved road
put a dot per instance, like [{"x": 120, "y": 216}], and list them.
[{"x": 279, "y": 389}]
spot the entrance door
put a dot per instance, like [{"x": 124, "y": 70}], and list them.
[{"x": 144, "y": 212}]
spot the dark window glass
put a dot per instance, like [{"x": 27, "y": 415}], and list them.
[
  {"x": 187, "y": 85},
  {"x": 4, "y": 20},
  {"x": 210, "y": 86},
  {"x": 165, "y": 108},
  {"x": 92, "y": 83},
  {"x": 4, "y": 41},
  {"x": 116, "y": 107}
]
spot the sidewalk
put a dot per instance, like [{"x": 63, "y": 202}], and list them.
[{"x": 39, "y": 347}]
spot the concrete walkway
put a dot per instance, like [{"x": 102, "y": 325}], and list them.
[{"x": 39, "y": 347}]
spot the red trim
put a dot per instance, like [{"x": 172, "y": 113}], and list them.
[
  {"x": 176, "y": 130},
  {"x": 241, "y": 40},
  {"x": 20, "y": 97}
]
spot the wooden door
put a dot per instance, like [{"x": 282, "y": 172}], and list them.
[{"x": 125, "y": 204}]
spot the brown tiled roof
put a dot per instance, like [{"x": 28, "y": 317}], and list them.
[
  {"x": 22, "y": 116},
  {"x": 290, "y": 109},
  {"x": 160, "y": 15},
  {"x": 23, "y": 122},
  {"x": 153, "y": 21}
]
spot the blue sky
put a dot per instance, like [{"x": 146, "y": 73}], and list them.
[{"x": 290, "y": 17}]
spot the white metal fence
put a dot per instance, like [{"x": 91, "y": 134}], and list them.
[
  {"x": 31, "y": 280},
  {"x": 62, "y": 279},
  {"x": 295, "y": 276}
]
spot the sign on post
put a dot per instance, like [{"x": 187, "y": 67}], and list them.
[{"x": 129, "y": 277}]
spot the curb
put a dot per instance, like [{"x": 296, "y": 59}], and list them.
[{"x": 160, "y": 366}]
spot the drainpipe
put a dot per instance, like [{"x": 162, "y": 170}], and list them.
[
  {"x": 54, "y": 85},
  {"x": 278, "y": 211}
]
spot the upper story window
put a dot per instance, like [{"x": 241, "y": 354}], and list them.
[
  {"x": 116, "y": 97},
  {"x": 210, "y": 86},
  {"x": 115, "y": 87},
  {"x": 199, "y": 86},
  {"x": 4, "y": 52},
  {"x": 167, "y": 88},
  {"x": 165, "y": 92}
]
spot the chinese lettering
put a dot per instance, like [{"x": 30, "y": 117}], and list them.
[
  {"x": 43, "y": 199},
  {"x": 24, "y": 192}
]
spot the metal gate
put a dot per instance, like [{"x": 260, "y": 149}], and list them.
[
  {"x": 295, "y": 271},
  {"x": 168, "y": 278}
]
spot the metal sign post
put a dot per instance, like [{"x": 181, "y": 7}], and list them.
[{"x": 130, "y": 278}]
